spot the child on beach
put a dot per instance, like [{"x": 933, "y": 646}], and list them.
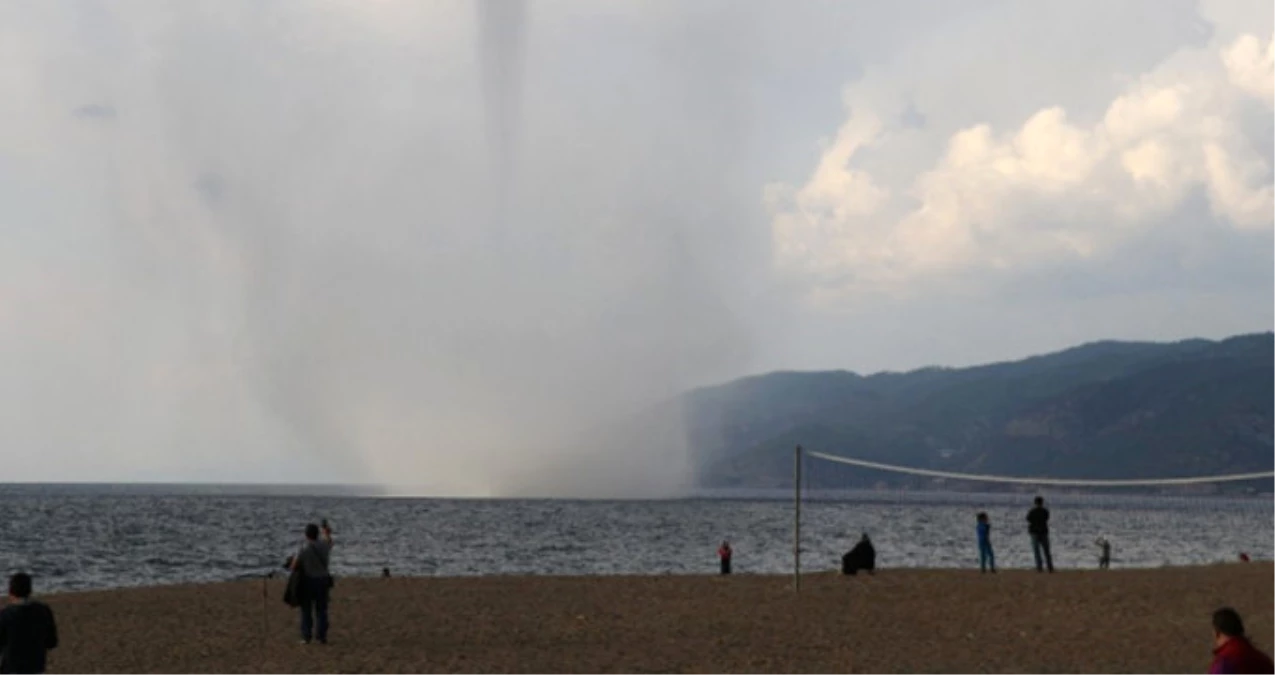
[
  {"x": 1104, "y": 558},
  {"x": 724, "y": 553},
  {"x": 986, "y": 558}
]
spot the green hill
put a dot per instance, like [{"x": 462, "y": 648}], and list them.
[{"x": 1101, "y": 410}]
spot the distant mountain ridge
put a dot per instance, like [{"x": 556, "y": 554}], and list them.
[{"x": 1101, "y": 410}]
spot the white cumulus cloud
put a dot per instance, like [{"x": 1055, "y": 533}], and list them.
[{"x": 1054, "y": 190}]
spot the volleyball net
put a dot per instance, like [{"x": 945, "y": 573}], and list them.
[
  {"x": 1017, "y": 480},
  {"x": 801, "y": 454}
]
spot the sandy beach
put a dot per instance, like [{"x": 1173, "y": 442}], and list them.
[{"x": 895, "y": 621}]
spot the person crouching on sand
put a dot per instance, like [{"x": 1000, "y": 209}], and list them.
[
  {"x": 862, "y": 557},
  {"x": 1232, "y": 652},
  {"x": 724, "y": 553},
  {"x": 986, "y": 558},
  {"x": 312, "y": 562},
  {"x": 27, "y": 629}
]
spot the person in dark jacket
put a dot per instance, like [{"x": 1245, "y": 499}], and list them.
[
  {"x": 862, "y": 557},
  {"x": 310, "y": 564},
  {"x": 1104, "y": 557},
  {"x": 1232, "y": 652},
  {"x": 27, "y": 630},
  {"x": 1038, "y": 529},
  {"x": 724, "y": 553}
]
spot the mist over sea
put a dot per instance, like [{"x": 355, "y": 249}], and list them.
[{"x": 104, "y": 536}]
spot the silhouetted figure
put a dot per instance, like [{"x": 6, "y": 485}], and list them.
[
  {"x": 1232, "y": 652},
  {"x": 1244, "y": 557},
  {"x": 27, "y": 629},
  {"x": 310, "y": 565},
  {"x": 1104, "y": 558},
  {"x": 385, "y": 573},
  {"x": 724, "y": 554},
  {"x": 986, "y": 558},
  {"x": 1038, "y": 528},
  {"x": 862, "y": 557}
]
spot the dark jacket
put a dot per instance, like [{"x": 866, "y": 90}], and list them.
[
  {"x": 313, "y": 558},
  {"x": 27, "y": 632},
  {"x": 1239, "y": 655},
  {"x": 293, "y": 593},
  {"x": 1038, "y": 520},
  {"x": 862, "y": 557}
]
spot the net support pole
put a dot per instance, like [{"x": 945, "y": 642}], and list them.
[
  {"x": 796, "y": 524},
  {"x": 265, "y": 615}
]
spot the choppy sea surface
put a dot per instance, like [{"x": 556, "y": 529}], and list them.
[{"x": 99, "y": 536}]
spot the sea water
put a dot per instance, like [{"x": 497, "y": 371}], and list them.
[{"x": 83, "y": 537}]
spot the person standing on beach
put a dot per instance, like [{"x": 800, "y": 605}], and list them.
[
  {"x": 1232, "y": 652},
  {"x": 27, "y": 629},
  {"x": 1038, "y": 528},
  {"x": 316, "y": 582},
  {"x": 1104, "y": 558},
  {"x": 724, "y": 553},
  {"x": 986, "y": 558}
]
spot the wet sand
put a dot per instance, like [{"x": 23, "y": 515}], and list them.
[{"x": 895, "y": 621}]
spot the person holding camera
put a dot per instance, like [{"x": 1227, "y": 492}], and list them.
[{"x": 311, "y": 562}]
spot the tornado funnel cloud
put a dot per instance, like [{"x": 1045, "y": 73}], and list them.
[
  {"x": 501, "y": 37},
  {"x": 321, "y": 260}
]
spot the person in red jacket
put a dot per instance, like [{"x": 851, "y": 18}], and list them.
[
  {"x": 1232, "y": 652},
  {"x": 724, "y": 553}
]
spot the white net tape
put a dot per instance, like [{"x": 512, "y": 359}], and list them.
[{"x": 1193, "y": 480}]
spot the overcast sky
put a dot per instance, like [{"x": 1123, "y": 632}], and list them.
[{"x": 425, "y": 242}]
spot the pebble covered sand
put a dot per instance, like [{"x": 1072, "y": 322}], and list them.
[{"x": 896, "y": 621}]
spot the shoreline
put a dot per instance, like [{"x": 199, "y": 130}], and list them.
[
  {"x": 899, "y": 620},
  {"x": 281, "y": 574},
  {"x": 708, "y": 572}
]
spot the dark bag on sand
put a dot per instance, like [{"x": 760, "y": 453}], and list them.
[{"x": 294, "y": 590}]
